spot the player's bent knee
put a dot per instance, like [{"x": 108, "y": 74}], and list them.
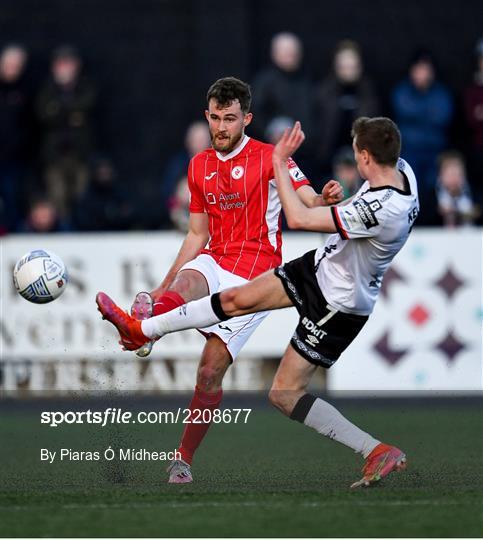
[
  {"x": 189, "y": 284},
  {"x": 210, "y": 376}
]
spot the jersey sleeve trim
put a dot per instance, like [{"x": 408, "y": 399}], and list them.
[
  {"x": 300, "y": 183},
  {"x": 337, "y": 223},
  {"x": 295, "y": 185}
]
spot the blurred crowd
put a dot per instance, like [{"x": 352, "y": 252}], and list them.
[{"x": 53, "y": 177}]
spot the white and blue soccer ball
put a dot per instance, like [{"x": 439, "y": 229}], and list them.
[{"x": 40, "y": 276}]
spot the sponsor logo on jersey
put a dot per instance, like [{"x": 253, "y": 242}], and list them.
[
  {"x": 296, "y": 174},
  {"x": 231, "y": 201},
  {"x": 367, "y": 212},
  {"x": 237, "y": 172},
  {"x": 210, "y": 176},
  {"x": 210, "y": 198}
]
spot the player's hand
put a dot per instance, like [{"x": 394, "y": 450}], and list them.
[
  {"x": 289, "y": 143},
  {"x": 332, "y": 193}
]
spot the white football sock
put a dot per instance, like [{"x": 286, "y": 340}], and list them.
[
  {"x": 196, "y": 314},
  {"x": 328, "y": 421}
]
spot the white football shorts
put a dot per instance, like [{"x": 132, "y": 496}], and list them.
[{"x": 233, "y": 332}]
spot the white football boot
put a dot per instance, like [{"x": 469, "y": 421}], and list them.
[{"x": 179, "y": 472}]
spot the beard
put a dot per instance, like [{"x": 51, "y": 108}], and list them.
[{"x": 227, "y": 143}]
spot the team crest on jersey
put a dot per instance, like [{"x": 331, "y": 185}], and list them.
[{"x": 237, "y": 172}]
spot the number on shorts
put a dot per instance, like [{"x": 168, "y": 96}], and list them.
[{"x": 332, "y": 311}]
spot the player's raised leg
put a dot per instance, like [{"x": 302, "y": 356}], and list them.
[
  {"x": 288, "y": 393},
  {"x": 264, "y": 293}
]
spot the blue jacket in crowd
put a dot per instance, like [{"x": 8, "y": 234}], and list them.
[{"x": 422, "y": 117}]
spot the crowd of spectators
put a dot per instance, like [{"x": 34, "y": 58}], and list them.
[{"x": 54, "y": 179}]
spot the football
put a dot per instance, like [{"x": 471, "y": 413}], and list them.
[{"x": 40, "y": 276}]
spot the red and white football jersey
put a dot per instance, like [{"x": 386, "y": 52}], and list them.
[{"x": 239, "y": 194}]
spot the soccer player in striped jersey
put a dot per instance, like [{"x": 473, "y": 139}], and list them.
[{"x": 234, "y": 236}]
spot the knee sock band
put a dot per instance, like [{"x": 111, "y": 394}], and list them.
[
  {"x": 302, "y": 408},
  {"x": 217, "y": 309}
]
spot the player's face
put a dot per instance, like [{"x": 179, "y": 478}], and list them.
[{"x": 227, "y": 125}]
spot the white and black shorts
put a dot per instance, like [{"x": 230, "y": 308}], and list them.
[{"x": 323, "y": 333}]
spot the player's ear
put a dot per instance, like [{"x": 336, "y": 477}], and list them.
[
  {"x": 247, "y": 119},
  {"x": 207, "y": 115}
]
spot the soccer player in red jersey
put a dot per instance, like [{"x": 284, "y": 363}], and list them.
[{"x": 234, "y": 236}]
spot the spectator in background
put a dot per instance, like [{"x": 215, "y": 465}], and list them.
[
  {"x": 341, "y": 97},
  {"x": 179, "y": 206},
  {"x": 455, "y": 204},
  {"x": 423, "y": 108},
  {"x": 15, "y": 130},
  {"x": 65, "y": 107},
  {"x": 43, "y": 217},
  {"x": 104, "y": 206},
  {"x": 474, "y": 117},
  {"x": 197, "y": 139},
  {"x": 345, "y": 171},
  {"x": 283, "y": 89}
]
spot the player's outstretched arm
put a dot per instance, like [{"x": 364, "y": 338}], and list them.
[
  {"x": 195, "y": 240},
  {"x": 332, "y": 193},
  {"x": 298, "y": 215}
]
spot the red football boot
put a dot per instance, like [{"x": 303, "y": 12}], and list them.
[
  {"x": 383, "y": 460},
  {"x": 129, "y": 328}
]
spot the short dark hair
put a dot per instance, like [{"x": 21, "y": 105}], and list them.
[
  {"x": 450, "y": 155},
  {"x": 380, "y": 136},
  {"x": 65, "y": 52},
  {"x": 225, "y": 91}
]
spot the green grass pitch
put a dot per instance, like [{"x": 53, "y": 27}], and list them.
[{"x": 269, "y": 477}]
